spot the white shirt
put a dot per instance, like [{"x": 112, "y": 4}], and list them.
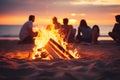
[{"x": 26, "y": 30}]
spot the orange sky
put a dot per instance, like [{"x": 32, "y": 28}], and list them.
[
  {"x": 99, "y": 12},
  {"x": 44, "y": 20}
]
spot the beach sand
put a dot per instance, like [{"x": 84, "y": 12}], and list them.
[{"x": 97, "y": 62}]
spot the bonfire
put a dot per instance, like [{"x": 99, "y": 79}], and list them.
[{"x": 49, "y": 45}]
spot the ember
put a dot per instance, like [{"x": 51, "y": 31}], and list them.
[{"x": 50, "y": 45}]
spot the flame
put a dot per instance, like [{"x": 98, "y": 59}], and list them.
[{"x": 42, "y": 39}]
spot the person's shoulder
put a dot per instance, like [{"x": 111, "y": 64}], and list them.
[
  {"x": 116, "y": 25},
  {"x": 70, "y": 26},
  {"x": 89, "y": 27},
  {"x": 28, "y": 22},
  {"x": 59, "y": 23},
  {"x": 62, "y": 26}
]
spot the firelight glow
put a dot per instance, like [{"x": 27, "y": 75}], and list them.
[{"x": 49, "y": 39}]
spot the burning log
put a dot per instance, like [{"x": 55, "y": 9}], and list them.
[
  {"x": 51, "y": 51},
  {"x": 47, "y": 48},
  {"x": 59, "y": 51}
]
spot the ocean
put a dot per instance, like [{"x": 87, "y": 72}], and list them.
[{"x": 12, "y": 31}]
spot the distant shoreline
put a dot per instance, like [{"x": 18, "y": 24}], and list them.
[
  {"x": 11, "y": 32},
  {"x": 102, "y": 37}
]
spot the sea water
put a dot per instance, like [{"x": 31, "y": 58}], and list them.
[{"x": 12, "y": 31}]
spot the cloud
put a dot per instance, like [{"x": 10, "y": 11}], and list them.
[
  {"x": 9, "y": 6},
  {"x": 54, "y": 7}
]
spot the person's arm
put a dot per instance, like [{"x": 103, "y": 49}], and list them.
[
  {"x": 79, "y": 31},
  {"x": 69, "y": 32},
  {"x": 30, "y": 30},
  {"x": 68, "y": 35}
]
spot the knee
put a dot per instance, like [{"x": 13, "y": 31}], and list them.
[{"x": 109, "y": 33}]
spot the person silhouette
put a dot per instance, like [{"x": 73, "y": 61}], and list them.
[
  {"x": 95, "y": 34},
  {"x": 56, "y": 24},
  {"x": 67, "y": 31},
  {"x": 115, "y": 34},
  {"x": 84, "y": 32},
  {"x": 26, "y": 33}
]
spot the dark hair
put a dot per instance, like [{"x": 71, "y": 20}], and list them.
[
  {"x": 65, "y": 21},
  {"x": 117, "y": 17},
  {"x": 83, "y": 23},
  {"x": 31, "y": 17},
  {"x": 54, "y": 18},
  {"x": 96, "y": 26}
]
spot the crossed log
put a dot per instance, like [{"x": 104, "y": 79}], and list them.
[{"x": 57, "y": 51}]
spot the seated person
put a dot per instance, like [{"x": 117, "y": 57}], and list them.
[
  {"x": 95, "y": 34},
  {"x": 67, "y": 31},
  {"x": 84, "y": 32},
  {"x": 26, "y": 33},
  {"x": 56, "y": 24},
  {"x": 115, "y": 34}
]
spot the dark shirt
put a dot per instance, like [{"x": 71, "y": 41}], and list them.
[{"x": 116, "y": 28}]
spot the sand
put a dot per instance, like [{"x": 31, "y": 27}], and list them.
[{"x": 97, "y": 62}]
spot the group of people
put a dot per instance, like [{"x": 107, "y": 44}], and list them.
[
  {"x": 84, "y": 34},
  {"x": 87, "y": 34}
]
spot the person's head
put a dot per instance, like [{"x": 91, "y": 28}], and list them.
[
  {"x": 117, "y": 17},
  {"x": 96, "y": 27},
  {"x": 32, "y": 18},
  {"x": 83, "y": 23},
  {"x": 65, "y": 21},
  {"x": 54, "y": 20}
]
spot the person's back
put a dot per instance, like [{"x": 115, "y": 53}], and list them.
[
  {"x": 26, "y": 30},
  {"x": 115, "y": 34},
  {"x": 95, "y": 34},
  {"x": 84, "y": 32},
  {"x": 67, "y": 31},
  {"x": 57, "y": 25},
  {"x": 116, "y": 28},
  {"x": 26, "y": 33}
]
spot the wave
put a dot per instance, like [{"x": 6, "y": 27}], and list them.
[{"x": 9, "y": 36}]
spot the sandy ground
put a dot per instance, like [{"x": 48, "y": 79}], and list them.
[
  {"x": 97, "y": 62},
  {"x": 105, "y": 47}
]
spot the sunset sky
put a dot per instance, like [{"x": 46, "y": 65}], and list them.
[{"x": 99, "y": 12}]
